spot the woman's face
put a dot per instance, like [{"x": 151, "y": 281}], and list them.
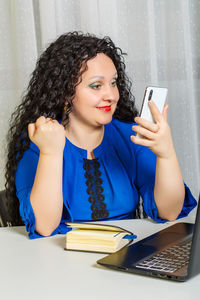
[{"x": 97, "y": 94}]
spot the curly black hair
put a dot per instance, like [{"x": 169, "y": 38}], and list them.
[{"x": 58, "y": 71}]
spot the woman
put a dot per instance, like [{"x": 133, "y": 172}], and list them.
[{"x": 73, "y": 154}]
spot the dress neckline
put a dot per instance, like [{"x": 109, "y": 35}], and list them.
[{"x": 83, "y": 152}]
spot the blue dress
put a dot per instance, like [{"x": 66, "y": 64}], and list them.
[{"x": 107, "y": 187}]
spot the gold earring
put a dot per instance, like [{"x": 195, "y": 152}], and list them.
[{"x": 66, "y": 107}]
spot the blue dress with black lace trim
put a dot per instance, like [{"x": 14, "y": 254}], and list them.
[{"x": 107, "y": 187}]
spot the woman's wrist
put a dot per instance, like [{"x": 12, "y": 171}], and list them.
[{"x": 51, "y": 155}]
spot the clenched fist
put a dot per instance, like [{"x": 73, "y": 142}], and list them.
[{"x": 48, "y": 135}]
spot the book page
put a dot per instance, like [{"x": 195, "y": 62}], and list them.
[
  {"x": 95, "y": 226},
  {"x": 97, "y": 241},
  {"x": 95, "y": 234}
]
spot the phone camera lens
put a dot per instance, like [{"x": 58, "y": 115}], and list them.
[{"x": 150, "y": 95}]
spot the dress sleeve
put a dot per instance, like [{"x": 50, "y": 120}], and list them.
[
  {"x": 24, "y": 180},
  {"x": 145, "y": 181}
]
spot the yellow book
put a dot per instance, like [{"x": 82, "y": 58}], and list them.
[{"x": 97, "y": 237}]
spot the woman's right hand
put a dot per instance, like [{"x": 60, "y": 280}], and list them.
[{"x": 48, "y": 135}]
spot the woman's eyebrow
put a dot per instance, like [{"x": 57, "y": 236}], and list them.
[
  {"x": 101, "y": 77},
  {"x": 97, "y": 77}
]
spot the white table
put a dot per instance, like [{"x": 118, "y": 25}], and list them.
[{"x": 41, "y": 269}]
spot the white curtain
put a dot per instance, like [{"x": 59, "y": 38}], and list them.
[{"x": 162, "y": 41}]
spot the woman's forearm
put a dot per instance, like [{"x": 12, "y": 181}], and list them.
[
  {"x": 169, "y": 188},
  {"x": 46, "y": 195}
]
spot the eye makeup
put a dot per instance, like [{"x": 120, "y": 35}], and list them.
[{"x": 94, "y": 85}]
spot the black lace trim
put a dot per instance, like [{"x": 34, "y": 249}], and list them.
[{"x": 95, "y": 189}]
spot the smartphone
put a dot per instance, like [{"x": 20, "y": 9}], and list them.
[{"x": 158, "y": 95}]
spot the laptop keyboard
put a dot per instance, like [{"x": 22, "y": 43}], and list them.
[{"x": 168, "y": 260}]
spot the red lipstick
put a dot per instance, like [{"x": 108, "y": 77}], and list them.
[{"x": 105, "y": 108}]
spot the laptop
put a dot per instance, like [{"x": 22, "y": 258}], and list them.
[{"x": 172, "y": 253}]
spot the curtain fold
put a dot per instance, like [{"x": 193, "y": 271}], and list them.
[{"x": 162, "y": 41}]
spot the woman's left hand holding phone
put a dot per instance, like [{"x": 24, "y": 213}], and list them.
[{"x": 156, "y": 136}]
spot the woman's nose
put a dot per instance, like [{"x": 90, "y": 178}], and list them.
[{"x": 110, "y": 93}]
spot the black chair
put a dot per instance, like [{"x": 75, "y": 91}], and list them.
[
  {"x": 139, "y": 212},
  {"x": 6, "y": 219},
  {"x": 4, "y": 214}
]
